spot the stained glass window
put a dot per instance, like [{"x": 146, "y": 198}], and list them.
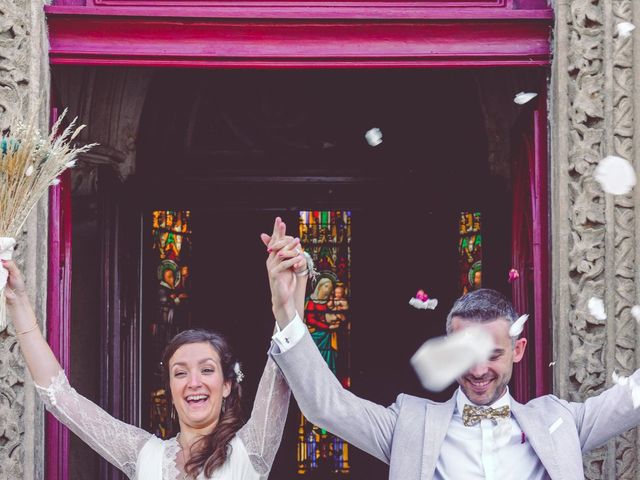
[
  {"x": 470, "y": 251},
  {"x": 326, "y": 236},
  {"x": 171, "y": 252}
]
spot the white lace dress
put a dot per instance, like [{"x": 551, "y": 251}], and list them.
[{"x": 143, "y": 456}]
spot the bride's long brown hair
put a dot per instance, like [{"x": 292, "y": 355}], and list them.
[{"x": 211, "y": 451}]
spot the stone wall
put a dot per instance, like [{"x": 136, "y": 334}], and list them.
[
  {"x": 593, "y": 235},
  {"x": 24, "y": 93}
]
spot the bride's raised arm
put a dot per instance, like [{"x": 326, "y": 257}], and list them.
[{"x": 116, "y": 441}]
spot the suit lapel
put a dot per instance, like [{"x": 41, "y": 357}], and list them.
[
  {"x": 438, "y": 418},
  {"x": 537, "y": 433}
]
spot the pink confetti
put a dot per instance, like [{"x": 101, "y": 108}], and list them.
[
  {"x": 513, "y": 275},
  {"x": 422, "y": 296}
]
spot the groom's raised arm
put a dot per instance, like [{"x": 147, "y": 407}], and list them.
[{"x": 324, "y": 401}]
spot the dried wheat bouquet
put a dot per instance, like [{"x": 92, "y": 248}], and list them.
[{"x": 29, "y": 164}]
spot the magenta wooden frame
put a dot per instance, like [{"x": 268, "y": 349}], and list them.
[
  {"x": 209, "y": 43},
  {"x": 59, "y": 316},
  {"x": 295, "y": 34}
]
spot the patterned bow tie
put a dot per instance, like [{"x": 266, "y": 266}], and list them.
[{"x": 471, "y": 415}]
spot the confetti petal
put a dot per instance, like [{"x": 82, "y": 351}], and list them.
[
  {"x": 421, "y": 295},
  {"x": 374, "y": 137},
  {"x": 429, "y": 304},
  {"x": 596, "y": 308},
  {"x": 439, "y": 361},
  {"x": 635, "y": 312},
  {"x": 522, "y": 97},
  {"x": 624, "y": 29},
  {"x": 517, "y": 326},
  {"x": 552, "y": 364},
  {"x": 555, "y": 425},
  {"x": 54, "y": 182},
  {"x": 619, "y": 379},
  {"x": 615, "y": 175},
  {"x": 513, "y": 275},
  {"x": 29, "y": 171}
]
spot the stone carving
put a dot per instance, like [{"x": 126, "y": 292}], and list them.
[
  {"x": 24, "y": 93},
  {"x": 598, "y": 81}
]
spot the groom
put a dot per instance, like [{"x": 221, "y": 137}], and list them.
[{"x": 481, "y": 432}]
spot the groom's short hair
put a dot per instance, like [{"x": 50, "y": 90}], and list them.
[{"x": 482, "y": 305}]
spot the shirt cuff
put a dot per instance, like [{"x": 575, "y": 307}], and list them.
[{"x": 289, "y": 335}]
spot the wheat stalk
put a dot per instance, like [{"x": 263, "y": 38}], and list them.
[{"x": 29, "y": 164}]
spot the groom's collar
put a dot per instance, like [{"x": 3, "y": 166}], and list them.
[{"x": 462, "y": 400}]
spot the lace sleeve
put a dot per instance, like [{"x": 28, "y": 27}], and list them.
[
  {"x": 116, "y": 441},
  {"x": 263, "y": 432}
]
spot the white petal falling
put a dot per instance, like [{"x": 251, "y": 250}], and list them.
[
  {"x": 615, "y": 175},
  {"x": 517, "y": 326},
  {"x": 624, "y": 29},
  {"x": 596, "y": 308},
  {"x": 29, "y": 171},
  {"x": 439, "y": 361},
  {"x": 619, "y": 379},
  {"x": 635, "y": 312},
  {"x": 555, "y": 425},
  {"x": 374, "y": 137},
  {"x": 551, "y": 364},
  {"x": 430, "y": 304},
  {"x": 502, "y": 432},
  {"x": 524, "y": 97},
  {"x": 55, "y": 181}
]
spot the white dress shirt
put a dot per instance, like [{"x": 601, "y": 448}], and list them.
[
  {"x": 487, "y": 450},
  {"x": 483, "y": 451}
]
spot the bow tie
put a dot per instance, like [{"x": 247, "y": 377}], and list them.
[{"x": 471, "y": 415}]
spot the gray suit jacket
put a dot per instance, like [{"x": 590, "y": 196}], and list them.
[{"x": 408, "y": 435}]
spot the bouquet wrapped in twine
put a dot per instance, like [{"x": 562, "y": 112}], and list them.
[{"x": 29, "y": 164}]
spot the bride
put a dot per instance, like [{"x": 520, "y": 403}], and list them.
[{"x": 203, "y": 380}]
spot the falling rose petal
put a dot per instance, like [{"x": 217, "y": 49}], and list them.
[
  {"x": 421, "y": 295},
  {"x": 29, "y": 171},
  {"x": 517, "y": 326},
  {"x": 555, "y": 425},
  {"x": 374, "y": 137},
  {"x": 430, "y": 304},
  {"x": 439, "y": 361},
  {"x": 502, "y": 432},
  {"x": 513, "y": 275},
  {"x": 596, "y": 308},
  {"x": 619, "y": 379},
  {"x": 624, "y": 29},
  {"x": 615, "y": 175},
  {"x": 552, "y": 364},
  {"x": 522, "y": 97},
  {"x": 635, "y": 312}
]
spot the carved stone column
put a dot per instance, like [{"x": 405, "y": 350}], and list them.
[
  {"x": 595, "y": 252},
  {"x": 24, "y": 93}
]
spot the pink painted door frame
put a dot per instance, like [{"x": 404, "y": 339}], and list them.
[{"x": 101, "y": 39}]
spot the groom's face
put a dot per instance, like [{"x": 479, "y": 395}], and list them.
[{"x": 487, "y": 382}]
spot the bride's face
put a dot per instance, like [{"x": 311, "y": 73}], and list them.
[{"x": 197, "y": 384}]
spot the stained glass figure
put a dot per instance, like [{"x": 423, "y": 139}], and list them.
[
  {"x": 470, "y": 251},
  {"x": 172, "y": 249},
  {"x": 326, "y": 236}
]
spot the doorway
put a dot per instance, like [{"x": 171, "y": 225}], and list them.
[{"x": 237, "y": 148}]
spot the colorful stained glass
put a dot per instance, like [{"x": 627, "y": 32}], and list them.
[
  {"x": 172, "y": 250},
  {"x": 470, "y": 251},
  {"x": 326, "y": 236}
]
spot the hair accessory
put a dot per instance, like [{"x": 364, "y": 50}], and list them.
[{"x": 238, "y": 372}]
